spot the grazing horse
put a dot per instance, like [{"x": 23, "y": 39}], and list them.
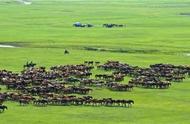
[
  {"x": 97, "y": 63},
  {"x": 1, "y": 101},
  {"x": 130, "y": 102},
  {"x": 42, "y": 102},
  {"x": 3, "y": 107},
  {"x": 24, "y": 102},
  {"x": 29, "y": 64}
]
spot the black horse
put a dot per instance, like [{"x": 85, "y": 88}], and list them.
[
  {"x": 130, "y": 102},
  {"x": 1, "y": 100},
  {"x": 2, "y": 108},
  {"x": 29, "y": 64},
  {"x": 41, "y": 102},
  {"x": 24, "y": 102}
]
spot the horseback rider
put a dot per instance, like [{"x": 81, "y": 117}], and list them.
[{"x": 66, "y": 52}]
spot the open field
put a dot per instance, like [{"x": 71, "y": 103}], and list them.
[{"x": 157, "y": 32}]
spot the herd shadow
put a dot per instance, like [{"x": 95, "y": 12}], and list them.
[
  {"x": 120, "y": 50},
  {"x": 185, "y": 14}
]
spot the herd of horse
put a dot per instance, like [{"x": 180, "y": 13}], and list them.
[
  {"x": 63, "y": 84},
  {"x": 158, "y": 76},
  {"x": 63, "y": 100}
]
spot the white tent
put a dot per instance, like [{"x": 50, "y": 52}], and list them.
[
  {"x": 25, "y": 2},
  {"x": 77, "y": 23}
]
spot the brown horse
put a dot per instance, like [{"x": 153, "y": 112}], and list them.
[
  {"x": 24, "y": 101},
  {"x": 1, "y": 101}
]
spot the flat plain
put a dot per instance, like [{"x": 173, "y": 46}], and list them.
[{"x": 157, "y": 31}]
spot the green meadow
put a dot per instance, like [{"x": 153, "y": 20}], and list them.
[{"x": 157, "y": 31}]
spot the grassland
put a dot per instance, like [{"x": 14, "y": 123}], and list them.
[{"x": 156, "y": 32}]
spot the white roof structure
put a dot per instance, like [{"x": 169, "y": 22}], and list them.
[
  {"x": 25, "y": 2},
  {"x": 77, "y": 23}
]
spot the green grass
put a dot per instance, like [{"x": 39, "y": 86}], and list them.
[{"x": 155, "y": 33}]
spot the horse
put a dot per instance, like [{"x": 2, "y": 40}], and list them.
[
  {"x": 29, "y": 65},
  {"x": 42, "y": 102},
  {"x": 130, "y": 102},
  {"x": 24, "y": 102},
  {"x": 3, "y": 107},
  {"x": 1, "y": 101}
]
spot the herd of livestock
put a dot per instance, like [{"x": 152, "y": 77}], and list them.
[{"x": 62, "y": 85}]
